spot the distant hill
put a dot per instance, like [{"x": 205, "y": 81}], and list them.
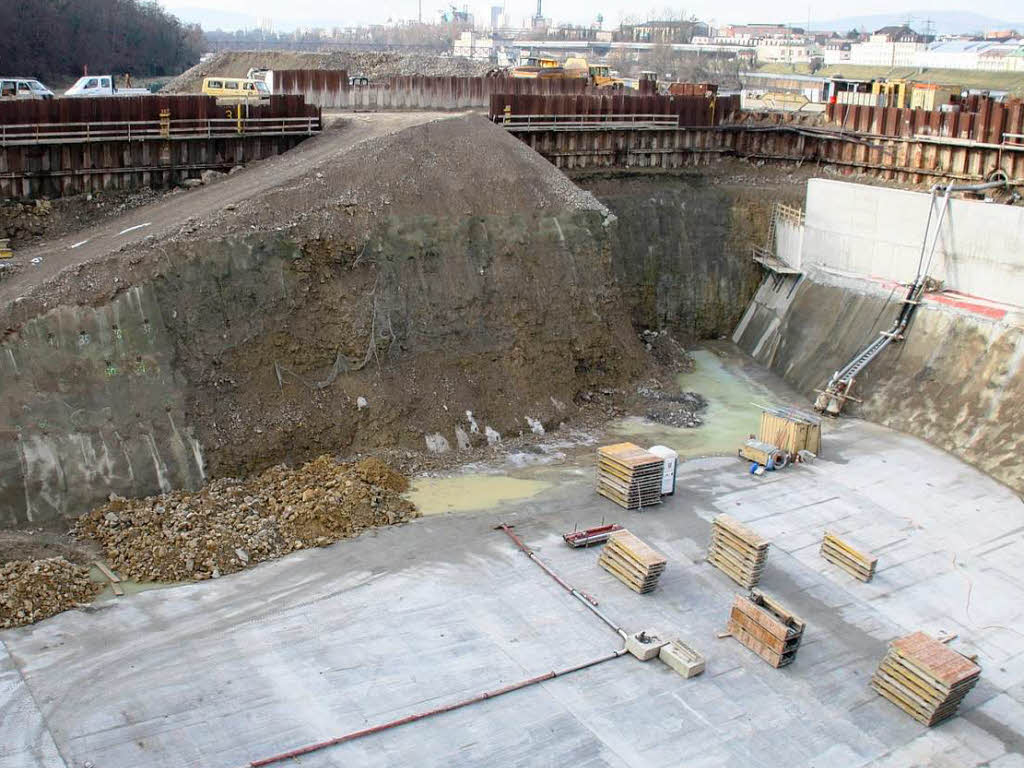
[{"x": 944, "y": 22}]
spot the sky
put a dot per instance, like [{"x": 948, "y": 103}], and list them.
[{"x": 353, "y": 12}]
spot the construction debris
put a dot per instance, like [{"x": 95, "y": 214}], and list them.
[
  {"x": 231, "y": 524},
  {"x": 737, "y": 551},
  {"x": 853, "y": 561},
  {"x": 32, "y": 590},
  {"x": 924, "y": 678},
  {"x": 766, "y": 627},
  {"x": 682, "y": 658},
  {"x": 588, "y": 536},
  {"x": 629, "y": 475},
  {"x": 632, "y": 562}
]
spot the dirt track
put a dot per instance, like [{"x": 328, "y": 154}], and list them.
[{"x": 170, "y": 214}]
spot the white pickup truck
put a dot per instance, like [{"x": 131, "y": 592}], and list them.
[{"x": 101, "y": 85}]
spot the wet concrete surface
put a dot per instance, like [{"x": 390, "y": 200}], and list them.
[{"x": 409, "y": 618}]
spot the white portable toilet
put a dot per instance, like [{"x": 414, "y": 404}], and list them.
[{"x": 668, "y": 477}]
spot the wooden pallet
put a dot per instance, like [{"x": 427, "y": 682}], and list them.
[
  {"x": 629, "y": 475},
  {"x": 737, "y": 551},
  {"x": 924, "y": 678},
  {"x": 633, "y": 562},
  {"x": 766, "y": 627},
  {"x": 838, "y": 552}
]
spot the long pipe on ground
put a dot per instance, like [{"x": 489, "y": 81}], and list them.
[
  {"x": 430, "y": 713},
  {"x": 588, "y": 600}
]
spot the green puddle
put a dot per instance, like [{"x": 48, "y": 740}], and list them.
[{"x": 729, "y": 418}]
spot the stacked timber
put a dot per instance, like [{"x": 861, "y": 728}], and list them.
[
  {"x": 629, "y": 475},
  {"x": 924, "y": 678},
  {"x": 766, "y": 627},
  {"x": 790, "y": 429},
  {"x": 737, "y": 551},
  {"x": 838, "y": 552},
  {"x": 632, "y": 562}
]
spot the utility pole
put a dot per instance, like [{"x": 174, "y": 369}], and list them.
[{"x": 421, "y": 11}]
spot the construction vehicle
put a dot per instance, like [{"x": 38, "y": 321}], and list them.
[
  {"x": 102, "y": 85},
  {"x": 538, "y": 68},
  {"x": 599, "y": 75}
]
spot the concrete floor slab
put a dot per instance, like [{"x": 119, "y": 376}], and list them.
[{"x": 409, "y": 618}]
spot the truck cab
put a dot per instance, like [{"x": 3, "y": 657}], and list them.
[
  {"x": 101, "y": 85},
  {"x": 22, "y": 89}
]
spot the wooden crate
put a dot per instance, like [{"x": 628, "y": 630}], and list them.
[
  {"x": 924, "y": 678},
  {"x": 766, "y": 627},
  {"x": 791, "y": 430},
  {"x": 838, "y": 552}
]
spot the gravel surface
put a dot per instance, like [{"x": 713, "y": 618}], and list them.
[
  {"x": 372, "y": 64},
  {"x": 231, "y": 524},
  {"x": 32, "y": 590}
]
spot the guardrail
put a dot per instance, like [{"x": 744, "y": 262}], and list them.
[
  {"x": 168, "y": 130},
  {"x": 594, "y": 122}
]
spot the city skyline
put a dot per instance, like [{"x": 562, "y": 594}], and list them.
[{"x": 244, "y": 13}]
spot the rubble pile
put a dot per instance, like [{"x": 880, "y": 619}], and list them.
[
  {"x": 32, "y": 590},
  {"x": 231, "y": 523},
  {"x": 675, "y": 410},
  {"x": 375, "y": 472}
]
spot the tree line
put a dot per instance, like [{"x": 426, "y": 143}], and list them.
[{"x": 60, "y": 38}]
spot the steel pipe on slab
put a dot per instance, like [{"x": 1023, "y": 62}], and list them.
[{"x": 298, "y": 752}]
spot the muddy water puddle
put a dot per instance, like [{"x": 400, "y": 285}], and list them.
[
  {"x": 129, "y": 587},
  {"x": 729, "y": 418},
  {"x": 473, "y": 491}
]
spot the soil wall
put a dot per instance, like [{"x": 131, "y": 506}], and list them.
[
  {"x": 682, "y": 244},
  {"x": 247, "y": 351}
]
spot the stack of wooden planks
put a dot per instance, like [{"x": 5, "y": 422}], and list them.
[
  {"x": 737, "y": 551},
  {"x": 629, "y": 475},
  {"x": 632, "y": 562},
  {"x": 790, "y": 429},
  {"x": 924, "y": 678},
  {"x": 858, "y": 564},
  {"x": 766, "y": 627}
]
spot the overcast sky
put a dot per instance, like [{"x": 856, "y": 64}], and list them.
[{"x": 352, "y": 12}]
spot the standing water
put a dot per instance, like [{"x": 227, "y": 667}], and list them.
[{"x": 729, "y": 419}]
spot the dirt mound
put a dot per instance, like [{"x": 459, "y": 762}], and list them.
[
  {"x": 431, "y": 170},
  {"x": 372, "y": 64},
  {"x": 230, "y": 524},
  {"x": 375, "y": 472},
  {"x": 32, "y": 590}
]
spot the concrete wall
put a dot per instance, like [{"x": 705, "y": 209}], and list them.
[
  {"x": 873, "y": 231},
  {"x": 958, "y": 378},
  {"x": 957, "y": 381}
]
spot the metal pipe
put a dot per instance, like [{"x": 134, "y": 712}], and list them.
[
  {"x": 970, "y": 187},
  {"x": 298, "y": 752},
  {"x": 588, "y": 600}
]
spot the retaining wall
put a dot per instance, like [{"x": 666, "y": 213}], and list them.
[{"x": 957, "y": 380}]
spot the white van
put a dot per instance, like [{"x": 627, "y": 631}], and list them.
[{"x": 19, "y": 88}]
